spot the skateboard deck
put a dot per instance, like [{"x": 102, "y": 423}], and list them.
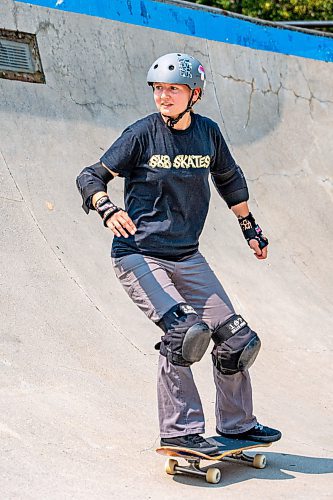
[{"x": 229, "y": 449}]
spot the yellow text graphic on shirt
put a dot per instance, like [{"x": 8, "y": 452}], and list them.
[{"x": 180, "y": 161}]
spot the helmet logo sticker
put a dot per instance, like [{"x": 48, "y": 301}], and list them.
[
  {"x": 202, "y": 72},
  {"x": 185, "y": 68}
]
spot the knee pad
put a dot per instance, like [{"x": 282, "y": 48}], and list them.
[
  {"x": 186, "y": 338},
  {"x": 236, "y": 346}
]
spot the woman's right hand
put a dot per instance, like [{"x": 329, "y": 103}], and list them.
[{"x": 121, "y": 224}]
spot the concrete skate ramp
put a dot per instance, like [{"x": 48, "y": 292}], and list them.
[{"x": 78, "y": 403}]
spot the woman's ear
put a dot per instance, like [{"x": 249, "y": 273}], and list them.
[{"x": 196, "y": 95}]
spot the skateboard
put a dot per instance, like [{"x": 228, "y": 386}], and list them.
[{"x": 230, "y": 449}]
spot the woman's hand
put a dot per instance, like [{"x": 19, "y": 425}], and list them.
[
  {"x": 260, "y": 253},
  {"x": 121, "y": 224}
]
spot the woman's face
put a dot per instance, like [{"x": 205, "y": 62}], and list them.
[{"x": 171, "y": 99}]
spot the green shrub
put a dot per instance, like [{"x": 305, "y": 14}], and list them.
[{"x": 293, "y": 10}]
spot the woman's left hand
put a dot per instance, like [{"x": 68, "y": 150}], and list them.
[{"x": 258, "y": 252}]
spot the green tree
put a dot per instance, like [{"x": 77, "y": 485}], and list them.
[{"x": 272, "y": 10}]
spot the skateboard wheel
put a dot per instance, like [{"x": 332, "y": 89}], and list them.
[
  {"x": 170, "y": 466},
  {"x": 259, "y": 461},
  {"x": 213, "y": 475}
]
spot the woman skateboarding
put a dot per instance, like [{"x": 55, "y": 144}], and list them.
[{"x": 166, "y": 159}]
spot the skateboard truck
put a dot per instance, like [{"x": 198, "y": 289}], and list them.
[{"x": 213, "y": 474}]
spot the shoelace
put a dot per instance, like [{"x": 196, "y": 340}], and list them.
[
  {"x": 196, "y": 438},
  {"x": 259, "y": 427}
]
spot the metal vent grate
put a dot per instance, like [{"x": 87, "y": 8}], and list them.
[
  {"x": 15, "y": 56},
  {"x": 19, "y": 57}
]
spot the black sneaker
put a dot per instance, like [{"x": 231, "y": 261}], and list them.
[
  {"x": 192, "y": 441},
  {"x": 258, "y": 433}
]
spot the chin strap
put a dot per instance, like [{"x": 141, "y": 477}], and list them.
[{"x": 171, "y": 122}]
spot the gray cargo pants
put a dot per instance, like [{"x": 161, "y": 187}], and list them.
[{"x": 156, "y": 285}]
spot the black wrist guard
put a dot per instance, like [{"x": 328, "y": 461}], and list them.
[
  {"x": 106, "y": 208},
  {"x": 252, "y": 231}
]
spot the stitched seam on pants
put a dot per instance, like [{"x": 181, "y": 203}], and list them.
[{"x": 182, "y": 399}]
